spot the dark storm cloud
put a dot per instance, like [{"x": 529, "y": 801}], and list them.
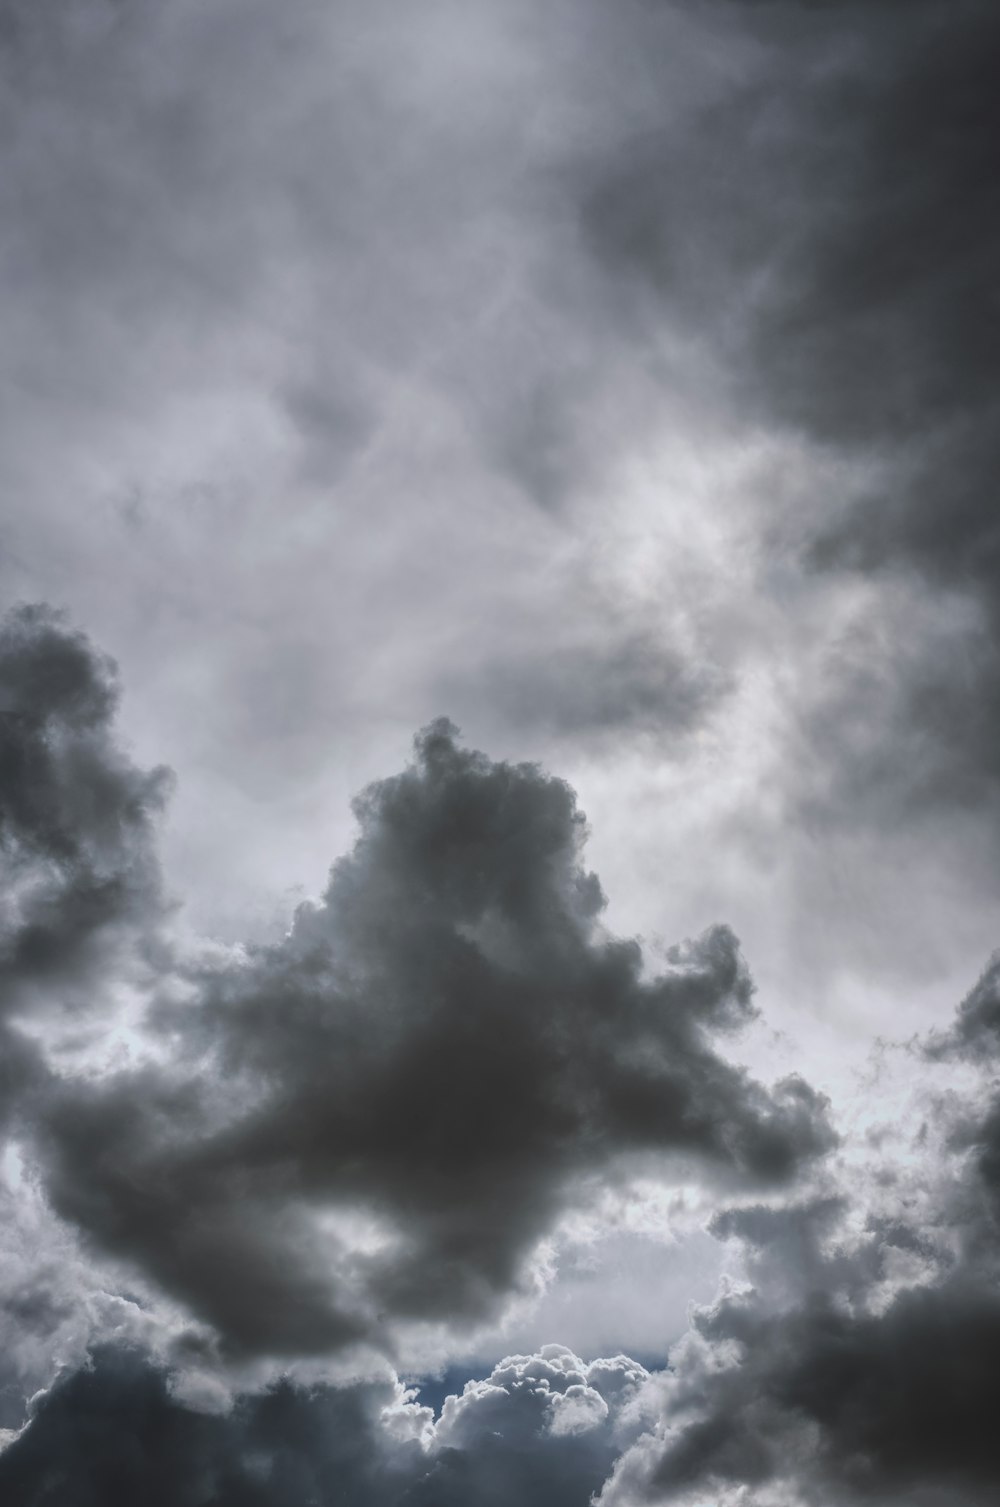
[
  {"x": 829, "y": 233},
  {"x": 890, "y": 1407},
  {"x": 80, "y": 907},
  {"x": 112, "y": 1434},
  {"x": 975, "y": 1037},
  {"x": 378, "y": 1119},
  {"x": 892, "y": 346},
  {"x": 75, "y": 814},
  {"x": 858, "y": 1365},
  {"x": 78, "y": 872},
  {"x": 976, "y": 1031},
  {"x": 540, "y": 1430},
  {"x": 840, "y": 200},
  {"x": 884, "y": 330}
]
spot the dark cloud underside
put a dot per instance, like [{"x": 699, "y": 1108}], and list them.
[{"x": 539, "y": 1430}]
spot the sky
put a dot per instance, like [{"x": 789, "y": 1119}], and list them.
[{"x": 499, "y": 804}]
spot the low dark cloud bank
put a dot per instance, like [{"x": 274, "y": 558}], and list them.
[{"x": 540, "y": 1429}]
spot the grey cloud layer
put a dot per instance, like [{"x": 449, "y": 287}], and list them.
[
  {"x": 830, "y": 234},
  {"x": 483, "y": 254},
  {"x": 330, "y": 331},
  {"x": 331, "y": 258}
]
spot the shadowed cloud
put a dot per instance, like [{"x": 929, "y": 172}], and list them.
[{"x": 378, "y": 1119}]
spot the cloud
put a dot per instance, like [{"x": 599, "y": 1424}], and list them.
[
  {"x": 855, "y": 1364},
  {"x": 78, "y": 868},
  {"x": 847, "y": 175},
  {"x": 541, "y": 1429},
  {"x": 388, "y": 244},
  {"x": 975, "y": 1032},
  {"x": 826, "y": 230},
  {"x": 887, "y": 348},
  {"x": 622, "y": 686},
  {"x": 75, "y": 815},
  {"x": 80, "y": 921},
  {"x": 111, "y": 1433},
  {"x": 377, "y": 1120},
  {"x": 455, "y": 287}
]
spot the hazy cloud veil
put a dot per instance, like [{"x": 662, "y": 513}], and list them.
[{"x": 620, "y": 381}]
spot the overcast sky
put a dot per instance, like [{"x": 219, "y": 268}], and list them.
[{"x": 499, "y": 796}]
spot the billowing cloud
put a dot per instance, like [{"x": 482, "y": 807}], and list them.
[
  {"x": 856, "y": 1363},
  {"x": 378, "y": 1119},
  {"x": 112, "y": 1433},
  {"x": 75, "y": 814},
  {"x": 853, "y": 1363},
  {"x": 541, "y": 1429},
  {"x": 80, "y": 883}
]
